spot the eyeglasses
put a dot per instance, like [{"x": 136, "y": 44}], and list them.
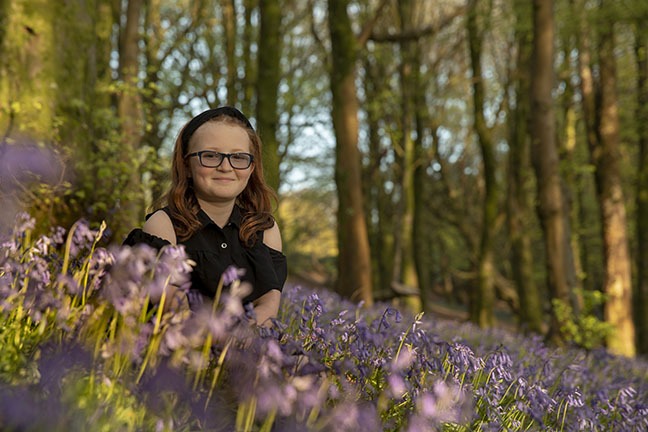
[{"x": 213, "y": 159}]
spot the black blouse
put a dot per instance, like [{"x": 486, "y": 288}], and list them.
[{"x": 214, "y": 249}]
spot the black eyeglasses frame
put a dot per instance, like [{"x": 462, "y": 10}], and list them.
[{"x": 223, "y": 157}]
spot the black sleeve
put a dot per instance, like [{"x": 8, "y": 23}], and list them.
[
  {"x": 280, "y": 265},
  {"x": 137, "y": 236}
]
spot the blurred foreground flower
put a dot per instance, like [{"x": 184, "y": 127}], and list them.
[{"x": 21, "y": 165}]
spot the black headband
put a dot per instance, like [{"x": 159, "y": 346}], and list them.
[{"x": 205, "y": 116}]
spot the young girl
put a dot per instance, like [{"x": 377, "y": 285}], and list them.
[{"x": 219, "y": 208}]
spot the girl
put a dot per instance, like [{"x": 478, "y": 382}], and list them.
[{"x": 219, "y": 208}]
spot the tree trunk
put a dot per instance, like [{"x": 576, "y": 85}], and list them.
[
  {"x": 482, "y": 302},
  {"x": 4, "y": 23},
  {"x": 375, "y": 208},
  {"x": 544, "y": 154},
  {"x": 406, "y": 269},
  {"x": 571, "y": 172},
  {"x": 618, "y": 276},
  {"x": 130, "y": 115},
  {"x": 641, "y": 297},
  {"x": 588, "y": 102},
  {"x": 229, "y": 28},
  {"x": 249, "y": 79},
  {"x": 268, "y": 87},
  {"x": 423, "y": 238},
  {"x": 519, "y": 201},
  {"x": 354, "y": 267}
]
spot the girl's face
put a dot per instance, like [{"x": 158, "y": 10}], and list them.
[{"x": 223, "y": 183}]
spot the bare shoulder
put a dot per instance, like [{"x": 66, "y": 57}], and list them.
[
  {"x": 159, "y": 224},
  {"x": 272, "y": 237}
]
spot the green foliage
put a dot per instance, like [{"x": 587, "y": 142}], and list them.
[
  {"x": 101, "y": 404},
  {"x": 585, "y": 330},
  {"x": 20, "y": 338}
]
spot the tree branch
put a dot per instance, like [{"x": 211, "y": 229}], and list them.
[
  {"x": 414, "y": 34},
  {"x": 367, "y": 30}
]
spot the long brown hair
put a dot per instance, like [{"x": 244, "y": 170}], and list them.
[{"x": 255, "y": 201}]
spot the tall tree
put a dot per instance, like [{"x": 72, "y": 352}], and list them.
[
  {"x": 519, "y": 198},
  {"x": 571, "y": 151},
  {"x": 641, "y": 296},
  {"x": 228, "y": 9},
  {"x": 605, "y": 155},
  {"x": 481, "y": 308},
  {"x": 544, "y": 154},
  {"x": 422, "y": 237},
  {"x": 377, "y": 203},
  {"x": 4, "y": 23},
  {"x": 269, "y": 74},
  {"x": 354, "y": 266},
  {"x": 249, "y": 78},
  {"x": 404, "y": 268},
  {"x": 601, "y": 118},
  {"x": 130, "y": 113}
]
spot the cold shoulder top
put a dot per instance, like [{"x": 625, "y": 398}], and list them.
[{"x": 214, "y": 249}]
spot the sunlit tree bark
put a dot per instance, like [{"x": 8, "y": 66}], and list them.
[
  {"x": 618, "y": 277},
  {"x": 482, "y": 302},
  {"x": 544, "y": 154},
  {"x": 601, "y": 118},
  {"x": 269, "y": 57},
  {"x": 354, "y": 267},
  {"x": 641, "y": 297}
]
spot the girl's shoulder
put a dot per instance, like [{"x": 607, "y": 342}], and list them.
[
  {"x": 159, "y": 224},
  {"x": 272, "y": 237}
]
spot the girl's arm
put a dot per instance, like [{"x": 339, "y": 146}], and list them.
[{"x": 266, "y": 307}]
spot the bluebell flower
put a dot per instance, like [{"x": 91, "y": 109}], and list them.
[{"x": 231, "y": 274}]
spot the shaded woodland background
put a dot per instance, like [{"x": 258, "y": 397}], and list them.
[{"x": 487, "y": 155}]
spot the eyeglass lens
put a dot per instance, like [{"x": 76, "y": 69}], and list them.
[{"x": 215, "y": 159}]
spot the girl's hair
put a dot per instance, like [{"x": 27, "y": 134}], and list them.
[{"x": 255, "y": 201}]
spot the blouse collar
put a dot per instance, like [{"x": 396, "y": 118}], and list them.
[{"x": 234, "y": 219}]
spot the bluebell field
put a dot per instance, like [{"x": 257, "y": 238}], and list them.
[{"x": 101, "y": 339}]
